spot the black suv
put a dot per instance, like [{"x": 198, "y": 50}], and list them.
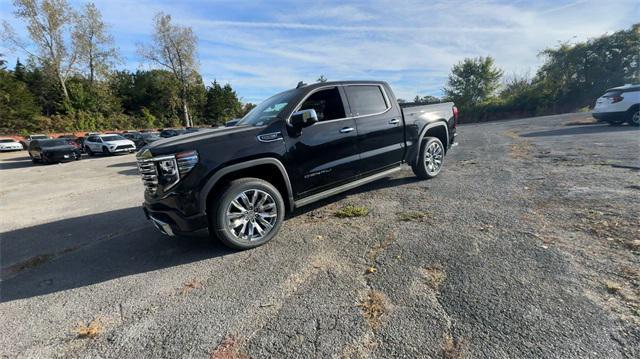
[{"x": 295, "y": 148}]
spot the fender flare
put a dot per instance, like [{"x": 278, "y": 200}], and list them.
[
  {"x": 240, "y": 166},
  {"x": 426, "y": 129}
]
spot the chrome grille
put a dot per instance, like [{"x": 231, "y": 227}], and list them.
[{"x": 149, "y": 174}]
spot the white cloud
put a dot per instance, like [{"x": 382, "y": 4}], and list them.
[{"x": 261, "y": 48}]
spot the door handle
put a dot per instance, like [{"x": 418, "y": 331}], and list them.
[
  {"x": 395, "y": 121},
  {"x": 346, "y": 130}
]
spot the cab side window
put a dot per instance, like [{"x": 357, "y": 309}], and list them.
[
  {"x": 327, "y": 104},
  {"x": 366, "y": 100}
]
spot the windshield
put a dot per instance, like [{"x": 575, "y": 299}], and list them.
[
  {"x": 39, "y": 137},
  {"x": 7, "y": 140},
  {"x": 112, "y": 138},
  {"x": 53, "y": 143},
  {"x": 266, "y": 111},
  {"x": 151, "y": 136}
]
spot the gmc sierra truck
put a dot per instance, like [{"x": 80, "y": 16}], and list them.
[{"x": 295, "y": 148}]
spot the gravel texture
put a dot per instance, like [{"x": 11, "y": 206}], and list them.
[{"x": 526, "y": 245}]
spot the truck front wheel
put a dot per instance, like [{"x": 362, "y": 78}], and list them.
[
  {"x": 247, "y": 214},
  {"x": 430, "y": 160}
]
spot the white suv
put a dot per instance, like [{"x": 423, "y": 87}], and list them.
[
  {"x": 618, "y": 105},
  {"x": 108, "y": 144}
]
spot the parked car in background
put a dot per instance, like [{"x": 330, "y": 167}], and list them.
[
  {"x": 10, "y": 144},
  {"x": 149, "y": 130},
  {"x": 172, "y": 132},
  {"x": 295, "y": 148},
  {"x": 53, "y": 150},
  {"x": 108, "y": 144},
  {"x": 619, "y": 105},
  {"x": 28, "y": 139},
  {"x": 142, "y": 139}
]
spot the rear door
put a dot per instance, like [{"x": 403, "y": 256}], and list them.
[
  {"x": 324, "y": 153},
  {"x": 380, "y": 131}
]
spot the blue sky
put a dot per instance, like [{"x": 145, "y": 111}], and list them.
[{"x": 264, "y": 47}]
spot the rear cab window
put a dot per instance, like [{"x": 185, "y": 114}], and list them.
[{"x": 366, "y": 99}]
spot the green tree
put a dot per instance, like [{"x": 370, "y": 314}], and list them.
[
  {"x": 95, "y": 45},
  {"x": 174, "y": 48},
  {"x": 222, "y": 104},
  {"x": 48, "y": 25},
  {"x": 473, "y": 81},
  {"x": 18, "y": 109},
  {"x": 426, "y": 100}
]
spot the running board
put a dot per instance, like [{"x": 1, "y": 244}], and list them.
[{"x": 345, "y": 187}]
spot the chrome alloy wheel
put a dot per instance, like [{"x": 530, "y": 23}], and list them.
[
  {"x": 251, "y": 215},
  {"x": 635, "y": 119},
  {"x": 433, "y": 156}
]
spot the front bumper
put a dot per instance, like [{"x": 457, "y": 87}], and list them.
[
  {"x": 12, "y": 148},
  {"x": 62, "y": 156},
  {"x": 171, "y": 222},
  {"x": 122, "y": 150}
]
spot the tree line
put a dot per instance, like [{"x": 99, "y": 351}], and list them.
[
  {"x": 69, "y": 79},
  {"x": 572, "y": 77}
]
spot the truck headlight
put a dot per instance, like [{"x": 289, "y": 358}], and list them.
[{"x": 172, "y": 169}]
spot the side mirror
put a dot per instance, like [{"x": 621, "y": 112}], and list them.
[{"x": 304, "y": 118}]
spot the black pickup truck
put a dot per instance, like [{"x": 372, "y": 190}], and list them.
[{"x": 296, "y": 147}]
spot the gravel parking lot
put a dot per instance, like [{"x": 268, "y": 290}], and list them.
[{"x": 526, "y": 245}]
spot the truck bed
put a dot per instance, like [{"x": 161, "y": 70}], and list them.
[{"x": 427, "y": 112}]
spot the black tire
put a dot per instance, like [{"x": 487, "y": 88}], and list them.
[
  {"x": 634, "y": 117},
  {"x": 105, "y": 151},
  {"x": 218, "y": 212},
  {"x": 89, "y": 152},
  {"x": 422, "y": 168}
]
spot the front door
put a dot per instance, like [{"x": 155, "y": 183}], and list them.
[
  {"x": 324, "y": 154},
  {"x": 380, "y": 129}
]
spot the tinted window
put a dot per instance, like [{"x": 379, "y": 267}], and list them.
[
  {"x": 327, "y": 103},
  {"x": 365, "y": 100},
  {"x": 53, "y": 143}
]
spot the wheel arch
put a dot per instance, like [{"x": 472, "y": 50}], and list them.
[
  {"x": 269, "y": 169},
  {"x": 438, "y": 129}
]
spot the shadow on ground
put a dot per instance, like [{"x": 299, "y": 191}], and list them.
[
  {"x": 580, "y": 130},
  {"x": 86, "y": 250},
  {"x": 81, "y": 251}
]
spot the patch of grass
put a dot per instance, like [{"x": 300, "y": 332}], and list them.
[
  {"x": 613, "y": 287},
  {"x": 434, "y": 275},
  {"x": 379, "y": 247},
  {"x": 373, "y": 308},
  {"x": 229, "y": 348},
  {"x": 414, "y": 216},
  {"x": 371, "y": 270},
  {"x": 91, "y": 330},
  {"x": 520, "y": 150},
  {"x": 350, "y": 211},
  {"x": 190, "y": 285},
  {"x": 453, "y": 348},
  {"x": 583, "y": 120}
]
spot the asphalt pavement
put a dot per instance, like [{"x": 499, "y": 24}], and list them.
[{"x": 526, "y": 245}]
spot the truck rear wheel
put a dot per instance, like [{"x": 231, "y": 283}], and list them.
[
  {"x": 247, "y": 214},
  {"x": 430, "y": 159}
]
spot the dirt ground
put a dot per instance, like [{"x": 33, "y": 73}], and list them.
[{"x": 526, "y": 245}]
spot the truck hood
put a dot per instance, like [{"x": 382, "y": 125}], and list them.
[{"x": 184, "y": 142}]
